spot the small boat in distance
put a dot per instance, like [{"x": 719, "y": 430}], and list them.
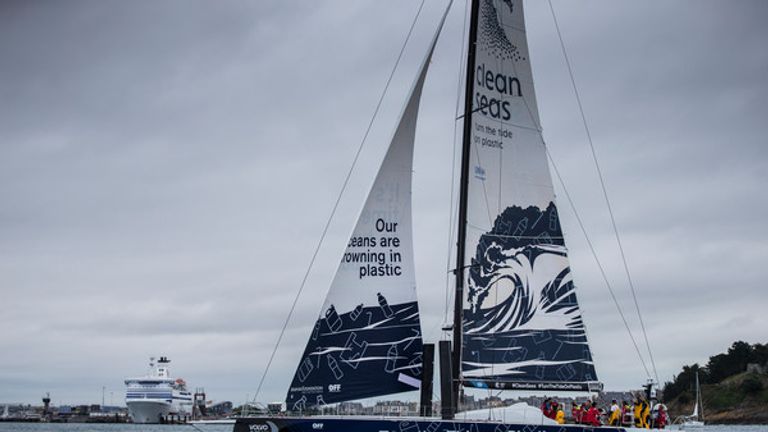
[
  {"x": 696, "y": 419},
  {"x": 156, "y": 395}
]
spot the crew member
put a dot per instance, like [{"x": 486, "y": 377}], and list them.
[
  {"x": 592, "y": 415},
  {"x": 637, "y": 411},
  {"x": 661, "y": 417},
  {"x": 626, "y": 414},
  {"x": 559, "y": 413},
  {"x": 614, "y": 419},
  {"x": 576, "y": 412}
]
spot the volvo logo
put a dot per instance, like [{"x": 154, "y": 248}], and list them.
[{"x": 266, "y": 427}]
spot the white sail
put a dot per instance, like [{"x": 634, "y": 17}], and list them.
[
  {"x": 367, "y": 342},
  {"x": 522, "y": 323}
]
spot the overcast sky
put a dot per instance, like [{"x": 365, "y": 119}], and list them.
[{"x": 166, "y": 169}]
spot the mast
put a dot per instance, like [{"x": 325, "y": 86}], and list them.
[
  {"x": 463, "y": 197},
  {"x": 699, "y": 401}
]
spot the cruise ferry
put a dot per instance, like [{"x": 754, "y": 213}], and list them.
[{"x": 156, "y": 395}]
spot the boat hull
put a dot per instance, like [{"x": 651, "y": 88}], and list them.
[
  {"x": 401, "y": 424},
  {"x": 148, "y": 411}
]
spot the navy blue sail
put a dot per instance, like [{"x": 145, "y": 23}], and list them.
[
  {"x": 522, "y": 326},
  {"x": 367, "y": 341}
]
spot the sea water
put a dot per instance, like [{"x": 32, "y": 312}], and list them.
[
  {"x": 101, "y": 427},
  {"x": 95, "y": 427}
]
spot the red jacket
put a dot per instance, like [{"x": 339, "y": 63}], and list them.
[
  {"x": 576, "y": 412},
  {"x": 592, "y": 417}
]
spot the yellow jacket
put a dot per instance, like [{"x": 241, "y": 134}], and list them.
[
  {"x": 637, "y": 410},
  {"x": 615, "y": 414},
  {"x": 646, "y": 416},
  {"x": 560, "y": 417}
]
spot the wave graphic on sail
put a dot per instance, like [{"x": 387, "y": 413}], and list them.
[{"x": 521, "y": 319}]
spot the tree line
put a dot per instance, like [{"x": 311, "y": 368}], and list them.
[{"x": 718, "y": 368}]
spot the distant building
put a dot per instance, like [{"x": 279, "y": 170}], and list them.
[{"x": 220, "y": 409}]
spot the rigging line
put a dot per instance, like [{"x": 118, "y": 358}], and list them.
[
  {"x": 605, "y": 191},
  {"x": 597, "y": 260},
  {"x": 459, "y": 88},
  {"x": 338, "y": 200}
]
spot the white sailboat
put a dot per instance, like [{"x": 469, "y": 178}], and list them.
[
  {"x": 517, "y": 322},
  {"x": 696, "y": 419}
]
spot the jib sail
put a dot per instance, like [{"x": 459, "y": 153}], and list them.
[{"x": 367, "y": 341}]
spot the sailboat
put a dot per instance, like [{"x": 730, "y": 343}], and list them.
[
  {"x": 517, "y": 324},
  {"x": 696, "y": 419}
]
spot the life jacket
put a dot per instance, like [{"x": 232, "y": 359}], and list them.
[{"x": 560, "y": 417}]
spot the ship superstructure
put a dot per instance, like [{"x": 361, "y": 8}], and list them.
[{"x": 156, "y": 395}]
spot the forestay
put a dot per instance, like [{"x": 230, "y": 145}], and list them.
[{"x": 522, "y": 327}]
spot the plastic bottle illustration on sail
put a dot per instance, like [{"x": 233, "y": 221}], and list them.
[
  {"x": 304, "y": 370},
  {"x": 540, "y": 369},
  {"x": 334, "y": 366},
  {"x": 407, "y": 426},
  {"x": 489, "y": 340},
  {"x": 416, "y": 336},
  {"x": 515, "y": 353},
  {"x": 566, "y": 372},
  {"x": 540, "y": 337},
  {"x": 333, "y": 319},
  {"x": 557, "y": 350},
  {"x": 544, "y": 238},
  {"x": 384, "y": 306},
  {"x": 353, "y": 350},
  {"x": 356, "y": 312},
  {"x": 316, "y": 331},
  {"x": 301, "y": 404},
  {"x": 391, "y": 359},
  {"x": 415, "y": 365},
  {"x": 553, "y": 221},
  {"x": 520, "y": 229}
]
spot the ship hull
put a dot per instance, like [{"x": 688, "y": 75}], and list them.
[
  {"x": 401, "y": 424},
  {"x": 148, "y": 411}
]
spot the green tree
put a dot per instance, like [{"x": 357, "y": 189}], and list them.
[{"x": 735, "y": 361}]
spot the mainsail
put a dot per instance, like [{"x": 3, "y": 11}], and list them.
[
  {"x": 522, "y": 327},
  {"x": 367, "y": 342}
]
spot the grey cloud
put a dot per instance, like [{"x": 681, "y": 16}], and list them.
[{"x": 166, "y": 170}]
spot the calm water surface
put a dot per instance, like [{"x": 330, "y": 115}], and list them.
[{"x": 84, "y": 427}]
